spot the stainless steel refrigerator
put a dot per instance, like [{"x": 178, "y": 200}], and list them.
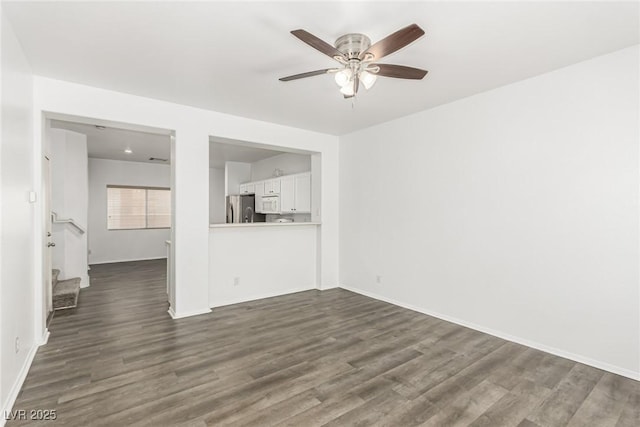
[{"x": 242, "y": 208}]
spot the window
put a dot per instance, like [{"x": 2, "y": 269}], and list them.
[{"x": 130, "y": 208}]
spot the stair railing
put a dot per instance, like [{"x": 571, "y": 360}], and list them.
[{"x": 70, "y": 221}]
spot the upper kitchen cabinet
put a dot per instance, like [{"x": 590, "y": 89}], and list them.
[
  {"x": 272, "y": 186},
  {"x": 295, "y": 193},
  {"x": 248, "y": 188}
]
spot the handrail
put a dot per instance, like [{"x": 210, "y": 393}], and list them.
[{"x": 56, "y": 220}]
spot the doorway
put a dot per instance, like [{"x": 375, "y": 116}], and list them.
[{"x": 106, "y": 199}]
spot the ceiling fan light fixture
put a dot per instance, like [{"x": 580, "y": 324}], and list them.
[
  {"x": 368, "y": 79},
  {"x": 347, "y": 90},
  {"x": 359, "y": 58},
  {"x": 343, "y": 77}
]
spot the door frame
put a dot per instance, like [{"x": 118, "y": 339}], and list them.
[
  {"x": 41, "y": 333},
  {"x": 47, "y": 257}
]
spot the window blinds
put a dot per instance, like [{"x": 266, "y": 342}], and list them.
[
  {"x": 158, "y": 208},
  {"x": 138, "y": 207}
]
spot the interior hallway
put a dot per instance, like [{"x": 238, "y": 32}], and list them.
[{"x": 311, "y": 358}]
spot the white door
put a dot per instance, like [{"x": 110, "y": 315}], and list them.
[{"x": 47, "y": 285}]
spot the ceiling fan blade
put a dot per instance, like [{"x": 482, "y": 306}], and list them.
[
  {"x": 318, "y": 44},
  {"x": 394, "y": 42},
  {"x": 400, "y": 71},
  {"x": 307, "y": 74}
]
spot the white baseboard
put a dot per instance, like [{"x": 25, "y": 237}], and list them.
[
  {"x": 254, "y": 297},
  {"x": 45, "y": 337},
  {"x": 126, "y": 260},
  {"x": 17, "y": 385},
  {"x": 182, "y": 315},
  {"x": 518, "y": 340},
  {"x": 84, "y": 281}
]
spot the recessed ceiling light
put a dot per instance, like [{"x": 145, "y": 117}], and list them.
[{"x": 128, "y": 150}]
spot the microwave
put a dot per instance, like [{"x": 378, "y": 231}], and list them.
[{"x": 270, "y": 204}]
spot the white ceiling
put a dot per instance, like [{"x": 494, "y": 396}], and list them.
[
  {"x": 228, "y": 56},
  {"x": 110, "y": 143}
]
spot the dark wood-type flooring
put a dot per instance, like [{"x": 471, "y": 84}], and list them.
[{"x": 308, "y": 359}]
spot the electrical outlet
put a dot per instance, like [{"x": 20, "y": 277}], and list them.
[
  {"x": 236, "y": 281},
  {"x": 17, "y": 344},
  {"x": 379, "y": 280}
]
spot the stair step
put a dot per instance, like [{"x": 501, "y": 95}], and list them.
[
  {"x": 54, "y": 277},
  {"x": 65, "y": 294}
]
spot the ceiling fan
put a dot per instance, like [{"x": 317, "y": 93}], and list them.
[{"x": 359, "y": 57}]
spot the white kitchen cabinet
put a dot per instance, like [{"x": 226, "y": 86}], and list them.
[
  {"x": 287, "y": 194},
  {"x": 248, "y": 188},
  {"x": 302, "y": 193},
  {"x": 259, "y": 191},
  {"x": 295, "y": 193},
  {"x": 272, "y": 186}
]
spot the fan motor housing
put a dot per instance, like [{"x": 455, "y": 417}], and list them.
[{"x": 352, "y": 45}]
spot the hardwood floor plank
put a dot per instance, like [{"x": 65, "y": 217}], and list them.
[
  {"x": 278, "y": 412},
  {"x": 605, "y": 403},
  {"x": 467, "y": 406},
  {"x": 325, "y": 412},
  {"x": 446, "y": 391},
  {"x": 409, "y": 413},
  {"x": 567, "y": 397},
  {"x": 514, "y": 406},
  {"x": 314, "y": 375},
  {"x": 345, "y": 383},
  {"x": 527, "y": 423},
  {"x": 630, "y": 416},
  {"x": 369, "y": 412}
]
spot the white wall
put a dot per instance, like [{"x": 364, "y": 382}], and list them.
[
  {"x": 288, "y": 163},
  {"x": 190, "y": 169},
  {"x": 514, "y": 211},
  {"x": 123, "y": 245},
  {"x": 235, "y": 173},
  {"x": 18, "y": 265},
  {"x": 267, "y": 261},
  {"x": 217, "y": 213},
  {"x": 69, "y": 199}
]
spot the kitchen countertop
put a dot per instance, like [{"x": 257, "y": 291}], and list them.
[{"x": 262, "y": 224}]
